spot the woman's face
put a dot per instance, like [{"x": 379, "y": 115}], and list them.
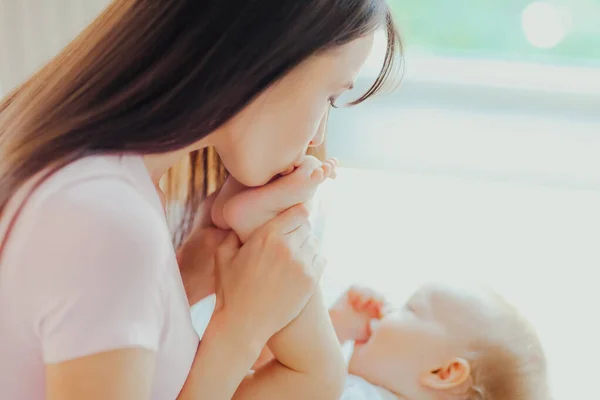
[{"x": 273, "y": 132}]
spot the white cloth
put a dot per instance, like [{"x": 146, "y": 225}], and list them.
[{"x": 359, "y": 389}]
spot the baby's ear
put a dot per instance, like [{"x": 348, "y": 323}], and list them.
[{"x": 453, "y": 378}]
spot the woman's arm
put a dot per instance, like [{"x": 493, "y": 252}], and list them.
[
  {"x": 270, "y": 262},
  {"x": 224, "y": 358},
  {"x": 97, "y": 305},
  {"x": 117, "y": 375},
  {"x": 195, "y": 256},
  {"x": 309, "y": 363}
]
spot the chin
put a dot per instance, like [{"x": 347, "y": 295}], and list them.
[
  {"x": 365, "y": 364},
  {"x": 251, "y": 179}
]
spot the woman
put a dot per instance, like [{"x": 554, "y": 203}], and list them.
[{"x": 92, "y": 302}]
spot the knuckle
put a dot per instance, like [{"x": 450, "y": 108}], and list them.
[
  {"x": 301, "y": 268},
  {"x": 285, "y": 252},
  {"x": 313, "y": 242},
  {"x": 303, "y": 210},
  {"x": 270, "y": 238},
  {"x": 308, "y": 224},
  {"x": 211, "y": 241}
]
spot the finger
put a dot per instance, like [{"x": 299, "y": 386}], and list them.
[
  {"x": 331, "y": 162},
  {"x": 227, "y": 250},
  {"x": 288, "y": 221},
  {"x": 318, "y": 175},
  {"x": 309, "y": 251},
  {"x": 211, "y": 238},
  {"x": 326, "y": 169},
  {"x": 318, "y": 266},
  {"x": 333, "y": 174},
  {"x": 298, "y": 238}
]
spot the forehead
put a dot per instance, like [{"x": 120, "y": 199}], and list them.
[
  {"x": 457, "y": 306},
  {"x": 353, "y": 54},
  {"x": 345, "y": 60}
]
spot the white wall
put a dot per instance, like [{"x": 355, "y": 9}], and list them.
[{"x": 33, "y": 31}]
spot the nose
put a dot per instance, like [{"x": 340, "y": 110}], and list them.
[{"x": 319, "y": 137}]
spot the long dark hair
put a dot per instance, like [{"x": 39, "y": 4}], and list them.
[{"x": 150, "y": 76}]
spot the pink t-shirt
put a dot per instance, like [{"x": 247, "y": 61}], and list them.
[{"x": 89, "y": 268}]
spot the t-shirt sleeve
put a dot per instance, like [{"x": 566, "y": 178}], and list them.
[{"x": 97, "y": 252}]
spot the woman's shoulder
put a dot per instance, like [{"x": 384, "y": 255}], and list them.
[
  {"x": 94, "y": 200},
  {"x": 90, "y": 250},
  {"x": 113, "y": 173}
]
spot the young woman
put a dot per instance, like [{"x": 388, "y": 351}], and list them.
[{"x": 92, "y": 299}]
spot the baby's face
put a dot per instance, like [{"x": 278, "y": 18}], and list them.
[{"x": 433, "y": 328}]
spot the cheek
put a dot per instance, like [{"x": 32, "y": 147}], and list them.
[
  {"x": 410, "y": 340},
  {"x": 271, "y": 133},
  {"x": 299, "y": 125}
]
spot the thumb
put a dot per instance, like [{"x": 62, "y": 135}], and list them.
[{"x": 227, "y": 250}]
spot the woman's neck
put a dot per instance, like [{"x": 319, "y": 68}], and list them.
[{"x": 158, "y": 164}]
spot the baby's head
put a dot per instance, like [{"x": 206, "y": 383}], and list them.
[{"x": 454, "y": 344}]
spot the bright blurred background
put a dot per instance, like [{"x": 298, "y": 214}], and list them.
[{"x": 484, "y": 167}]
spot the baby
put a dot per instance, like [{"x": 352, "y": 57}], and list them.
[{"x": 444, "y": 344}]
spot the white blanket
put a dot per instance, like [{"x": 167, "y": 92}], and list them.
[{"x": 358, "y": 389}]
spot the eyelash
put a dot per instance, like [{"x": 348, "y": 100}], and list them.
[{"x": 331, "y": 101}]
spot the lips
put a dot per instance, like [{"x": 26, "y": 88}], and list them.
[{"x": 288, "y": 171}]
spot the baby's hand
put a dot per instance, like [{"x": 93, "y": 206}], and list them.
[
  {"x": 364, "y": 300},
  {"x": 353, "y": 312}
]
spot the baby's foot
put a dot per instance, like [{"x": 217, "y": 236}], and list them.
[
  {"x": 253, "y": 207},
  {"x": 230, "y": 189}
]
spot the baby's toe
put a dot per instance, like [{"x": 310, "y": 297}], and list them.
[{"x": 327, "y": 168}]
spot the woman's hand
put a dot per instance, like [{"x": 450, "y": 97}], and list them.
[
  {"x": 196, "y": 259},
  {"x": 264, "y": 284},
  {"x": 261, "y": 287},
  {"x": 196, "y": 256}
]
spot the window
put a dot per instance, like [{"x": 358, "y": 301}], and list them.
[
  {"x": 484, "y": 167},
  {"x": 559, "y": 31}
]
